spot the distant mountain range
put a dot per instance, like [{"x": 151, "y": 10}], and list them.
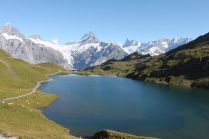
[
  {"x": 87, "y": 52},
  {"x": 154, "y": 47},
  {"x": 186, "y": 65}
]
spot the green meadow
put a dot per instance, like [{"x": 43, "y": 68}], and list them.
[{"x": 23, "y": 117}]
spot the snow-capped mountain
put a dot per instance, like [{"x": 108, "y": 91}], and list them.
[
  {"x": 89, "y": 38},
  {"x": 154, "y": 47},
  {"x": 18, "y": 46},
  {"x": 96, "y": 53},
  {"x": 88, "y": 51}
]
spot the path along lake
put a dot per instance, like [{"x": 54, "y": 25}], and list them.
[{"x": 87, "y": 104}]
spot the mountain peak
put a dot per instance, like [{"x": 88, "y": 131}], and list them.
[
  {"x": 127, "y": 40},
  {"x": 10, "y": 30},
  {"x": 89, "y": 37},
  {"x": 8, "y": 24},
  {"x": 130, "y": 43}
]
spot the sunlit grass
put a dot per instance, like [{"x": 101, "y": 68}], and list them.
[{"x": 23, "y": 117}]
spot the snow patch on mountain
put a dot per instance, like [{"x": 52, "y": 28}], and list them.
[
  {"x": 18, "y": 46},
  {"x": 12, "y": 37},
  {"x": 154, "y": 47},
  {"x": 89, "y": 51}
]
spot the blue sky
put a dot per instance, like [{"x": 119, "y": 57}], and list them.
[{"x": 111, "y": 20}]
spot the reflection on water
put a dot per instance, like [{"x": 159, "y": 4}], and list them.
[{"x": 91, "y": 103}]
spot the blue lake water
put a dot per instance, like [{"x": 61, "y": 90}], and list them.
[{"x": 91, "y": 103}]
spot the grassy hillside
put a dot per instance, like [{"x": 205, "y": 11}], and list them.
[
  {"x": 187, "y": 65},
  {"x": 121, "y": 67},
  {"x": 23, "y": 117},
  {"x": 18, "y": 77}
]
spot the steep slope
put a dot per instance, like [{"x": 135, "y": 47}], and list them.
[
  {"x": 14, "y": 43},
  {"x": 154, "y": 47}
]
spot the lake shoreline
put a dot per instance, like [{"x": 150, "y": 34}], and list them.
[
  {"x": 34, "y": 91},
  {"x": 83, "y": 72}
]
